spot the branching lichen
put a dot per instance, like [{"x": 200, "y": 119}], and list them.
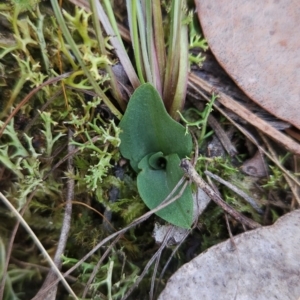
[{"x": 26, "y": 164}]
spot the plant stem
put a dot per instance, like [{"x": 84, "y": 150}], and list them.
[
  {"x": 132, "y": 16},
  {"x": 159, "y": 40},
  {"x": 100, "y": 38}
]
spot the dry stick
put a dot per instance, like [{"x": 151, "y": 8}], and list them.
[
  {"x": 248, "y": 135},
  {"x": 241, "y": 193},
  {"x": 154, "y": 257},
  {"x": 196, "y": 151},
  {"x": 221, "y": 134},
  {"x": 51, "y": 295},
  {"x": 131, "y": 225},
  {"x": 247, "y": 115},
  {"x": 296, "y": 188},
  {"x": 171, "y": 256},
  {"x": 217, "y": 191},
  {"x": 151, "y": 293},
  {"x": 233, "y": 245},
  {"x": 262, "y": 150},
  {"x": 193, "y": 175},
  {"x": 170, "y": 232}
]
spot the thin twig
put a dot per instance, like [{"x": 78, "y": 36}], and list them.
[
  {"x": 152, "y": 259},
  {"x": 96, "y": 268},
  {"x": 196, "y": 151},
  {"x": 51, "y": 295},
  {"x": 233, "y": 245},
  {"x": 171, "y": 256},
  {"x": 193, "y": 175},
  {"x": 246, "y": 114},
  {"x": 223, "y": 137},
  {"x": 11, "y": 243},
  {"x": 238, "y": 191},
  {"x": 38, "y": 243},
  {"x": 168, "y": 235}
]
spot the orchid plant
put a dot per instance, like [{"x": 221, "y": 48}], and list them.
[{"x": 154, "y": 143}]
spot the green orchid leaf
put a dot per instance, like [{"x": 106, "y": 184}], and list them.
[
  {"x": 147, "y": 128},
  {"x": 157, "y": 161},
  {"x": 158, "y": 177}
]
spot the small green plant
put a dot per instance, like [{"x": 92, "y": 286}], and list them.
[
  {"x": 202, "y": 118},
  {"x": 155, "y": 143},
  {"x": 26, "y": 163}
]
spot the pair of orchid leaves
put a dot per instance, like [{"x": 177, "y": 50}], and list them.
[{"x": 154, "y": 143}]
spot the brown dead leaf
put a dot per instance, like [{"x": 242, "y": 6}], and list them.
[
  {"x": 246, "y": 114},
  {"x": 255, "y": 166},
  {"x": 257, "y": 43}
]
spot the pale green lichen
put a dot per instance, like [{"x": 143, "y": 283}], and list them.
[{"x": 26, "y": 164}]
